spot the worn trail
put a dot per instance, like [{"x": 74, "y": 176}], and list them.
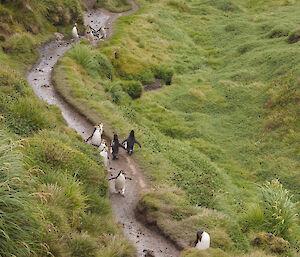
[{"x": 40, "y": 79}]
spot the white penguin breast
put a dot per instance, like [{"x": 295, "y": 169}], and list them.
[
  {"x": 204, "y": 243},
  {"x": 74, "y": 31},
  {"x": 120, "y": 182},
  {"x": 96, "y": 138}
]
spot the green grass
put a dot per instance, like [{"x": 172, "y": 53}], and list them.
[
  {"x": 229, "y": 120},
  {"x": 54, "y": 192},
  {"x": 114, "y": 6},
  {"x": 20, "y": 227}
]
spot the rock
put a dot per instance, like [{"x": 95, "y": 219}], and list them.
[{"x": 149, "y": 253}]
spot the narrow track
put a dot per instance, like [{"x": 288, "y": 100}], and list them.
[{"x": 40, "y": 79}]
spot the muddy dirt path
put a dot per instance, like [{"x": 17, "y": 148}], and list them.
[{"x": 40, "y": 79}]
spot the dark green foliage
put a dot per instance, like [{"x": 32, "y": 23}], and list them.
[
  {"x": 133, "y": 88},
  {"x": 164, "y": 73},
  {"x": 2, "y": 38}
]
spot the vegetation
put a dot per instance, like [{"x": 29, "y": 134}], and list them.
[
  {"x": 114, "y": 6},
  {"x": 54, "y": 192},
  {"x": 229, "y": 120}
]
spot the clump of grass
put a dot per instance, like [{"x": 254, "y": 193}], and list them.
[
  {"x": 279, "y": 31},
  {"x": 114, "y": 6},
  {"x": 21, "y": 45},
  {"x": 276, "y": 213},
  {"x": 95, "y": 64},
  {"x": 106, "y": 69},
  {"x": 20, "y": 229},
  {"x": 83, "y": 246},
  {"x": 164, "y": 73},
  {"x": 179, "y": 5},
  {"x": 118, "y": 95},
  {"x": 146, "y": 77},
  {"x": 279, "y": 210},
  {"x": 24, "y": 112},
  {"x": 83, "y": 55},
  {"x": 271, "y": 243},
  {"x": 294, "y": 36},
  {"x": 133, "y": 88},
  {"x": 224, "y": 5}
]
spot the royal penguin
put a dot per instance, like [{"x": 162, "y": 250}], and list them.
[
  {"x": 130, "y": 141},
  {"x": 102, "y": 145},
  {"x": 104, "y": 154},
  {"x": 75, "y": 32},
  {"x": 89, "y": 34},
  {"x": 203, "y": 240},
  {"x": 120, "y": 182},
  {"x": 115, "y": 144},
  {"x": 102, "y": 33},
  {"x": 96, "y": 137}
]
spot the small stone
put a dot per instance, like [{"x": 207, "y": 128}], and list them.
[{"x": 149, "y": 253}]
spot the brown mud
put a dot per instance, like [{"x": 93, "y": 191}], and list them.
[{"x": 40, "y": 79}]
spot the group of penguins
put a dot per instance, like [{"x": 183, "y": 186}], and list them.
[
  {"x": 91, "y": 33},
  {"x": 203, "y": 239},
  {"x": 127, "y": 144}
]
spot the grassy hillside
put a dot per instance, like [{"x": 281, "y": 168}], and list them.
[
  {"x": 228, "y": 123},
  {"x": 54, "y": 192}
]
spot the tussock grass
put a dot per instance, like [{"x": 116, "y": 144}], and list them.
[
  {"x": 38, "y": 16},
  {"x": 227, "y": 122},
  {"x": 20, "y": 227},
  {"x": 54, "y": 188}
]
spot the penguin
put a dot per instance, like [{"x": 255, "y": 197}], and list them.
[
  {"x": 115, "y": 144},
  {"x": 129, "y": 142},
  {"x": 203, "y": 240},
  {"x": 102, "y": 145},
  {"x": 104, "y": 154},
  {"x": 96, "y": 135},
  {"x": 120, "y": 182},
  {"x": 89, "y": 34},
  {"x": 75, "y": 32},
  {"x": 102, "y": 33}
]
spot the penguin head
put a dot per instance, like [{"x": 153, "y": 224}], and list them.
[
  {"x": 199, "y": 236},
  {"x": 122, "y": 172},
  {"x": 115, "y": 137},
  {"x": 131, "y": 133},
  {"x": 75, "y": 25}
]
